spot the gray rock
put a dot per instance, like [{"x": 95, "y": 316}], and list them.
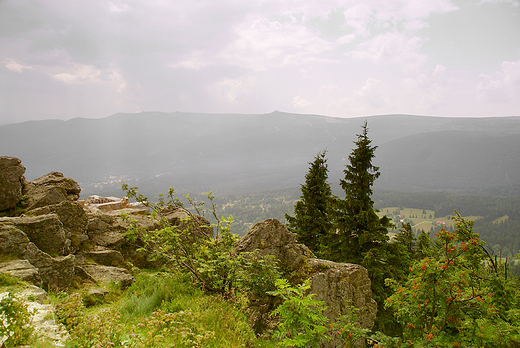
[
  {"x": 271, "y": 237},
  {"x": 46, "y": 231},
  {"x": 21, "y": 269},
  {"x": 105, "y": 230},
  {"x": 107, "y": 257},
  {"x": 71, "y": 215},
  {"x": 55, "y": 273},
  {"x": 11, "y": 179},
  {"x": 106, "y": 274},
  {"x": 50, "y": 189}
]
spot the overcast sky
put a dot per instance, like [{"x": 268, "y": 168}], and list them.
[{"x": 67, "y": 58}]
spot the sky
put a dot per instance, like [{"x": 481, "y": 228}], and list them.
[{"x": 61, "y": 59}]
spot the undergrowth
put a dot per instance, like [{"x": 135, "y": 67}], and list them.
[{"x": 158, "y": 310}]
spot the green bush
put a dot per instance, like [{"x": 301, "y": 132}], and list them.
[{"x": 15, "y": 321}]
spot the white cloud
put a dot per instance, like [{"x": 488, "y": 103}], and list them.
[
  {"x": 263, "y": 44},
  {"x": 117, "y": 7},
  {"x": 82, "y": 73},
  {"x": 500, "y": 86},
  {"x": 14, "y": 66},
  {"x": 371, "y": 95},
  {"x": 392, "y": 48}
]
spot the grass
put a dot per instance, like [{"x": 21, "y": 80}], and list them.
[{"x": 163, "y": 310}]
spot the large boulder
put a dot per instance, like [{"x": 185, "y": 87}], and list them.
[
  {"x": 339, "y": 285},
  {"x": 11, "y": 180},
  {"x": 46, "y": 231},
  {"x": 271, "y": 237},
  {"x": 55, "y": 272},
  {"x": 50, "y": 189}
]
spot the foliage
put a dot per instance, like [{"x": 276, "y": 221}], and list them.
[
  {"x": 358, "y": 228},
  {"x": 183, "y": 316},
  {"x": 190, "y": 247},
  {"x": 15, "y": 321},
  {"x": 302, "y": 323},
  {"x": 69, "y": 309},
  {"x": 458, "y": 296},
  {"x": 312, "y": 218}
]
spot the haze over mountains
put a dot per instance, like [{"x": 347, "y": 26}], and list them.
[{"x": 231, "y": 153}]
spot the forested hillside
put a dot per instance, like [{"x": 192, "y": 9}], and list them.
[{"x": 236, "y": 153}]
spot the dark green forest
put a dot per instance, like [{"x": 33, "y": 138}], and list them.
[{"x": 499, "y": 226}]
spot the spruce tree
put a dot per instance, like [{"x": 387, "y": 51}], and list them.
[
  {"x": 358, "y": 229},
  {"x": 311, "y": 220}
]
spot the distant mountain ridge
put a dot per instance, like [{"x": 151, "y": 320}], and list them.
[{"x": 232, "y": 153}]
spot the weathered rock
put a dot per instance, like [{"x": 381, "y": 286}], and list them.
[
  {"x": 103, "y": 229},
  {"x": 46, "y": 231},
  {"x": 43, "y": 316},
  {"x": 11, "y": 179},
  {"x": 339, "y": 285},
  {"x": 107, "y": 257},
  {"x": 21, "y": 269},
  {"x": 55, "y": 273},
  {"x": 71, "y": 215},
  {"x": 106, "y": 274},
  {"x": 271, "y": 237},
  {"x": 50, "y": 189}
]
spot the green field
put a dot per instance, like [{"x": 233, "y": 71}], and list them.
[{"x": 420, "y": 219}]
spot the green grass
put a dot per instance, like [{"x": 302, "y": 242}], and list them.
[{"x": 166, "y": 310}]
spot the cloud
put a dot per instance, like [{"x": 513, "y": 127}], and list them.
[
  {"x": 392, "y": 48},
  {"x": 14, "y": 66},
  {"x": 82, "y": 73},
  {"x": 500, "y": 86},
  {"x": 263, "y": 44}
]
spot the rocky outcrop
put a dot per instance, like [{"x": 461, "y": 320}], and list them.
[
  {"x": 339, "y": 285},
  {"x": 46, "y": 231},
  {"x": 50, "y": 189},
  {"x": 11, "y": 181},
  {"x": 55, "y": 272},
  {"x": 71, "y": 215}
]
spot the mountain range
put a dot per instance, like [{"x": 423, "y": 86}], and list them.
[{"x": 231, "y": 153}]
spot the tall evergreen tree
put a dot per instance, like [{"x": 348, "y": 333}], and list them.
[
  {"x": 358, "y": 228},
  {"x": 311, "y": 220},
  {"x": 360, "y": 236}
]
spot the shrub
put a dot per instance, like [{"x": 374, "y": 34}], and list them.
[{"x": 15, "y": 321}]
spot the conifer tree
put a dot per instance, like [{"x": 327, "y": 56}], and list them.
[
  {"x": 311, "y": 220},
  {"x": 358, "y": 229}
]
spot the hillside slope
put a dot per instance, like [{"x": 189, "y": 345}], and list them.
[{"x": 236, "y": 153}]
